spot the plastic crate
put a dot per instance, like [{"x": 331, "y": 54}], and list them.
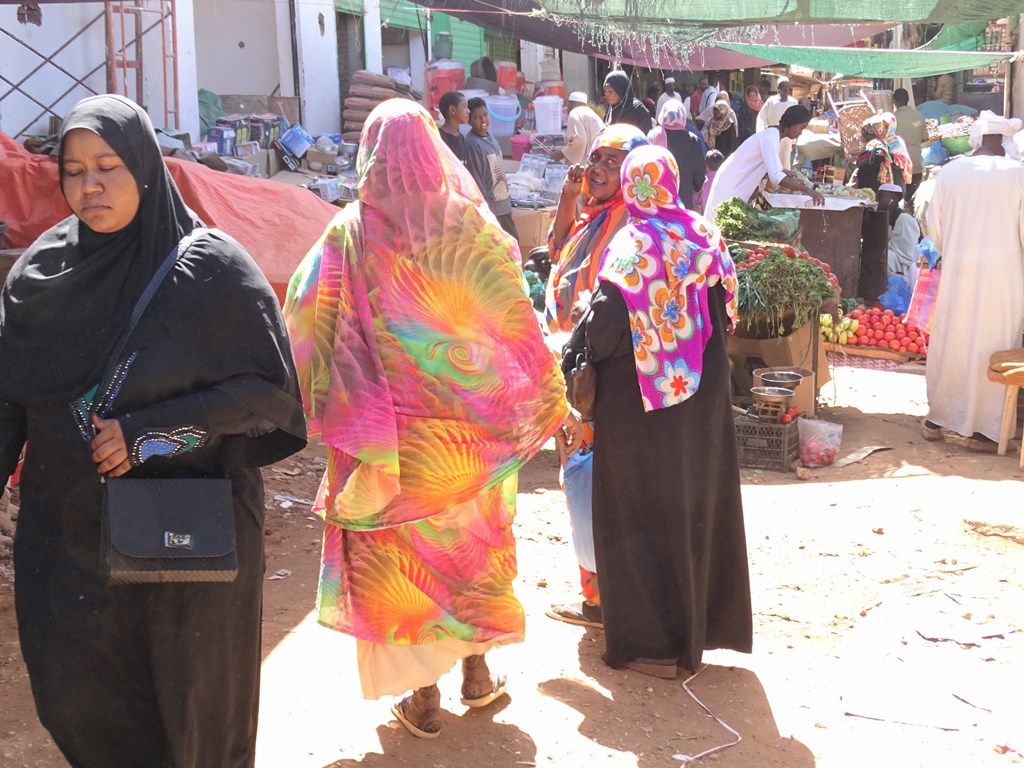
[{"x": 765, "y": 445}]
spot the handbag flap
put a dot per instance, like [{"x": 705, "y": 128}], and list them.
[{"x": 171, "y": 517}]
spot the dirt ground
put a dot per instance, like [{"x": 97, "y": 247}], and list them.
[{"x": 887, "y": 616}]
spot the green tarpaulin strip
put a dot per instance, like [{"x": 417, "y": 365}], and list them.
[
  {"x": 716, "y": 12},
  {"x": 958, "y": 37},
  {"x": 870, "y": 62}
]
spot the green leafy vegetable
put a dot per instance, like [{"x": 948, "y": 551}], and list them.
[
  {"x": 739, "y": 221},
  {"x": 778, "y": 291}
]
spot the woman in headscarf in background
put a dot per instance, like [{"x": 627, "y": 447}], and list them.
[
  {"x": 668, "y": 516},
  {"x": 884, "y": 159},
  {"x": 423, "y": 370},
  {"x": 141, "y": 674},
  {"x": 719, "y": 121},
  {"x": 687, "y": 147},
  {"x": 623, "y": 105},
  {"x": 749, "y": 110},
  {"x": 576, "y": 247}
]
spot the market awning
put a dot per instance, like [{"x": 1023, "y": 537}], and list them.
[
  {"x": 872, "y": 62},
  {"x": 714, "y": 57},
  {"x": 640, "y": 13}
]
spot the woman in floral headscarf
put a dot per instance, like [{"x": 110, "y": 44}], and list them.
[
  {"x": 884, "y": 159},
  {"x": 668, "y": 518},
  {"x": 720, "y": 125}
]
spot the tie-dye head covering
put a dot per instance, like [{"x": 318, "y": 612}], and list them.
[
  {"x": 578, "y": 261},
  {"x": 420, "y": 360},
  {"x": 664, "y": 261},
  {"x": 673, "y": 116},
  {"x": 883, "y": 127}
]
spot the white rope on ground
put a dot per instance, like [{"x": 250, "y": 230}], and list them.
[{"x": 687, "y": 759}]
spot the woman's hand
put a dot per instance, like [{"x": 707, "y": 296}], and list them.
[
  {"x": 570, "y": 434},
  {"x": 573, "y": 185},
  {"x": 109, "y": 452}
]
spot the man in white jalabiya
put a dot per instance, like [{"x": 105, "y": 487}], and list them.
[
  {"x": 668, "y": 95},
  {"x": 976, "y": 218},
  {"x": 904, "y": 232},
  {"x": 580, "y": 131}
]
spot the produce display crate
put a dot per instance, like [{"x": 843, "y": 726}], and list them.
[
  {"x": 764, "y": 445},
  {"x": 873, "y": 352}
]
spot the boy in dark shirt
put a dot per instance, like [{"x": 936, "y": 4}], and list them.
[
  {"x": 455, "y": 112},
  {"x": 484, "y": 160}
]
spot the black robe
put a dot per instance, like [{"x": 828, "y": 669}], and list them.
[
  {"x": 668, "y": 516},
  {"x": 156, "y": 675}
]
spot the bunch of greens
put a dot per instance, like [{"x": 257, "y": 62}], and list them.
[
  {"x": 778, "y": 290},
  {"x": 740, "y": 221}
]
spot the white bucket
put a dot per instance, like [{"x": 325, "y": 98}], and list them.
[
  {"x": 504, "y": 111},
  {"x": 548, "y": 110}
]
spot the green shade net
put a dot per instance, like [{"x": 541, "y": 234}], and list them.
[
  {"x": 958, "y": 37},
  {"x": 870, "y": 62},
  {"x": 716, "y": 12}
]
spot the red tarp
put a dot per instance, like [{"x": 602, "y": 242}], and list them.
[{"x": 277, "y": 223}]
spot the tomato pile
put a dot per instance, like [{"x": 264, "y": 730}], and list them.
[
  {"x": 817, "y": 452},
  {"x": 884, "y": 329},
  {"x": 791, "y": 415},
  {"x": 746, "y": 258}
]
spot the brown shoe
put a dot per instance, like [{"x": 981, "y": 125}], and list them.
[
  {"x": 654, "y": 669},
  {"x": 581, "y": 614}
]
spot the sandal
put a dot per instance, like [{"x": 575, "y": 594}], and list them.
[
  {"x": 654, "y": 669},
  {"x": 420, "y": 712},
  {"x": 476, "y": 674},
  {"x": 581, "y": 614},
  {"x": 930, "y": 431}
]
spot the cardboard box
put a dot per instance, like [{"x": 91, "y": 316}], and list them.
[
  {"x": 321, "y": 162},
  {"x": 286, "y": 158},
  {"x": 202, "y": 147},
  {"x": 804, "y": 396},
  {"x": 246, "y": 149},
  {"x": 296, "y": 140},
  {"x": 265, "y": 160},
  {"x": 240, "y": 123},
  {"x": 327, "y": 188},
  {"x": 795, "y": 350},
  {"x": 223, "y": 138},
  {"x": 532, "y": 224}
]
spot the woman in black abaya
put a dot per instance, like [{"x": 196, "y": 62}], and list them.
[
  {"x": 141, "y": 675},
  {"x": 668, "y": 517},
  {"x": 623, "y": 105}
]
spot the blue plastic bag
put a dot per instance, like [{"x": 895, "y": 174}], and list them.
[
  {"x": 927, "y": 249},
  {"x": 577, "y": 480},
  {"x": 935, "y": 154},
  {"x": 897, "y": 297}
]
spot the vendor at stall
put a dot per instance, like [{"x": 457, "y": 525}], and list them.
[
  {"x": 742, "y": 174},
  {"x": 905, "y": 233},
  {"x": 581, "y": 129}
]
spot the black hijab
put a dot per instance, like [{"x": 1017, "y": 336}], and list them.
[
  {"x": 68, "y": 298},
  {"x": 629, "y": 109}
]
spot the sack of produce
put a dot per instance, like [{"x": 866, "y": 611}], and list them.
[{"x": 741, "y": 221}]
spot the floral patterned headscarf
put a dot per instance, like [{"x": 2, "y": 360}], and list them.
[
  {"x": 664, "y": 261},
  {"x": 883, "y": 127}
]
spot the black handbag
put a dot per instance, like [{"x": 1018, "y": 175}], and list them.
[
  {"x": 584, "y": 386},
  {"x": 162, "y": 530}
]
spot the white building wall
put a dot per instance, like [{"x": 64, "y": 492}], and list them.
[
  {"x": 48, "y": 85},
  {"x": 236, "y": 44},
  {"x": 576, "y": 73}
]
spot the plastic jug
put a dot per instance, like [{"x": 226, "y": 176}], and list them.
[
  {"x": 506, "y": 74},
  {"x": 504, "y": 112},
  {"x": 444, "y": 76},
  {"x": 549, "y": 114}
]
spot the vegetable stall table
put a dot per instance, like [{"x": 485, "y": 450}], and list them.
[{"x": 833, "y": 234}]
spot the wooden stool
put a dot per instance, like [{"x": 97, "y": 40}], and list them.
[{"x": 1007, "y": 368}]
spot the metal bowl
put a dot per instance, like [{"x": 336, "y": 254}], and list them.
[
  {"x": 778, "y": 395},
  {"x": 783, "y": 379}
]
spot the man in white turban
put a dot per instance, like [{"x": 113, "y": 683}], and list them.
[
  {"x": 991, "y": 124},
  {"x": 976, "y": 218}
]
